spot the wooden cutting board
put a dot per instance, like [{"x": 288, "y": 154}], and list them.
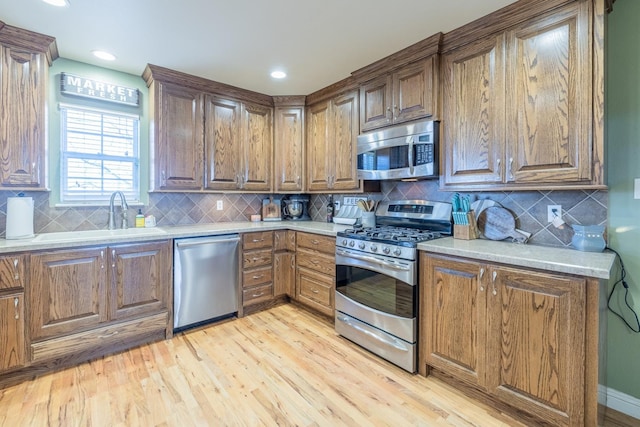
[{"x": 497, "y": 223}]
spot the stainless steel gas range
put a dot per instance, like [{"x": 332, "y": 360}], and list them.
[{"x": 377, "y": 277}]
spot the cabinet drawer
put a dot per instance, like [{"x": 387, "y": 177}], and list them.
[
  {"x": 317, "y": 242},
  {"x": 101, "y": 341},
  {"x": 257, "y": 276},
  {"x": 321, "y": 263},
  {"x": 12, "y": 271},
  {"x": 316, "y": 289},
  {"x": 257, "y": 294},
  {"x": 256, "y": 258},
  {"x": 257, "y": 240}
]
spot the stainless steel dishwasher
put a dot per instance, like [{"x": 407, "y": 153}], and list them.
[{"x": 205, "y": 279}]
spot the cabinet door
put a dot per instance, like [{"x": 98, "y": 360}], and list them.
[
  {"x": 549, "y": 104},
  {"x": 376, "y": 103},
  {"x": 316, "y": 290},
  {"x": 284, "y": 274},
  {"x": 67, "y": 292},
  {"x": 12, "y": 271},
  {"x": 289, "y": 149},
  {"x": 536, "y": 344},
  {"x": 257, "y": 153},
  {"x": 23, "y": 77},
  {"x": 12, "y": 344},
  {"x": 453, "y": 318},
  {"x": 473, "y": 113},
  {"x": 342, "y": 155},
  {"x": 318, "y": 147},
  {"x": 179, "y": 146},
  {"x": 413, "y": 91},
  {"x": 140, "y": 276},
  {"x": 222, "y": 139}
]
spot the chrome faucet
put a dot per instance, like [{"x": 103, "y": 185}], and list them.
[{"x": 125, "y": 207}]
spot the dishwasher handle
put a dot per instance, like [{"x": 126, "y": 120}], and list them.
[{"x": 187, "y": 243}]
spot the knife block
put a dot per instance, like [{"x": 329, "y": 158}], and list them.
[{"x": 468, "y": 231}]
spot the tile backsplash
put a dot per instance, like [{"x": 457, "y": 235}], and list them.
[{"x": 530, "y": 208}]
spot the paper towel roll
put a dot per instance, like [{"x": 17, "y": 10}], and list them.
[{"x": 19, "y": 218}]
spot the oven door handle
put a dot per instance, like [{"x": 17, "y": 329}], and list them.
[
  {"x": 410, "y": 155},
  {"x": 371, "y": 334},
  {"x": 372, "y": 260}
]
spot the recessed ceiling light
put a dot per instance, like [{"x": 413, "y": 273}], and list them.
[
  {"x": 59, "y": 3},
  {"x": 103, "y": 55},
  {"x": 278, "y": 74}
]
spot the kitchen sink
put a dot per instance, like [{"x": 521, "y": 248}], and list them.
[{"x": 88, "y": 235}]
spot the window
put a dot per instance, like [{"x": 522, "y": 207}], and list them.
[{"x": 99, "y": 155}]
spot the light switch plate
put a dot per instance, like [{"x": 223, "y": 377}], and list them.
[
  {"x": 553, "y": 211},
  {"x": 219, "y": 205},
  {"x": 636, "y": 188}
]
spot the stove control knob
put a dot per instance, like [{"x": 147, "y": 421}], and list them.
[
  {"x": 397, "y": 251},
  {"x": 344, "y": 242},
  {"x": 386, "y": 249},
  {"x": 361, "y": 245},
  {"x": 374, "y": 248},
  {"x": 352, "y": 243}
]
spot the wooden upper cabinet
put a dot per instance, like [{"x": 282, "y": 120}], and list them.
[
  {"x": 332, "y": 134},
  {"x": 404, "y": 95},
  {"x": 23, "y": 107},
  {"x": 473, "y": 113},
  {"x": 318, "y": 146},
  {"x": 288, "y": 148},
  {"x": 549, "y": 106},
  {"x": 518, "y": 107},
  {"x": 222, "y": 136},
  {"x": 238, "y": 145},
  {"x": 179, "y": 138},
  {"x": 342, "y": 155},
  {"x": 256, "y": 161}
]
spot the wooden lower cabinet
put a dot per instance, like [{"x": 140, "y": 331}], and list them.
[
  {"x": 316, "y": 272},
  {"x": 517, "y": 335},
  {"x": 257, "y": 268},
  {"x": 12, "y": 339},
  {"x": 92, "y": 290}
]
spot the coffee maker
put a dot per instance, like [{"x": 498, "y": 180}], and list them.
[{"x": 296, "y": 208}]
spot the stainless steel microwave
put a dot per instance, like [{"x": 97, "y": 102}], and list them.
[{"x": 399, "y": 152}]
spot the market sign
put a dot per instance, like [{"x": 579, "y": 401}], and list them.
[{"x": 94, "y": 89}]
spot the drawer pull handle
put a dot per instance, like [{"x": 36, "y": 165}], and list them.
[
  {"x": 258, "y": 295},
  {"x": 102, "y": 259},
  {"x": 110, "y": 334},
  {"x": 315, "y": 291},
  {"x": 257, "y": 240},
  {"x": 113, "y": 258},
  {"x": 258, "y": 277},
  {"x": 16, "y": 301},
  {"x": 315, "y": 242},
  {"x": 15, "y": 268}
]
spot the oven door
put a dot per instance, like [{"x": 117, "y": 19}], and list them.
[{"x": 378, "y": 291}]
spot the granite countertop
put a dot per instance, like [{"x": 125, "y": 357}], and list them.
[{"x": 559, "y": 260}]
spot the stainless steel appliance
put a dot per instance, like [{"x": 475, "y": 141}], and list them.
[
  {"x": 206, "y": 279},
  {"x": 377, "y": 277},
  {"x": 296, "y": 207},
  {"x": 398, "y": 152}
]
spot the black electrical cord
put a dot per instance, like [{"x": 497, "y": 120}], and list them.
[{"x": 623, "y": 275}]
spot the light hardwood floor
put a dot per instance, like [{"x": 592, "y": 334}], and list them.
[{"x": 284, "y": 366}]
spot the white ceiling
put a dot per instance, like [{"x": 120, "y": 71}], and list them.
[{"x": 239, "y": 42}]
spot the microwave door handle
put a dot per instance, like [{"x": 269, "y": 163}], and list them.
[{"x": 410, "y": 155}]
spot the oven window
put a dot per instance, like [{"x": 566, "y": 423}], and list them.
[{"x": 376, "y": 290}]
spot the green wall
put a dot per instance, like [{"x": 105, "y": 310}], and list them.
[
  {"x": 623, "y": 165},
  {"x": 62, "y": 65}
]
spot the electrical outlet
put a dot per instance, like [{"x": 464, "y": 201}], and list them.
[
  {"x": 219, "y": 205},
  {"x": 336, "y": 205},
  {"x": 553, "y": 211},
  {"x": 349, "y": 200}
]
